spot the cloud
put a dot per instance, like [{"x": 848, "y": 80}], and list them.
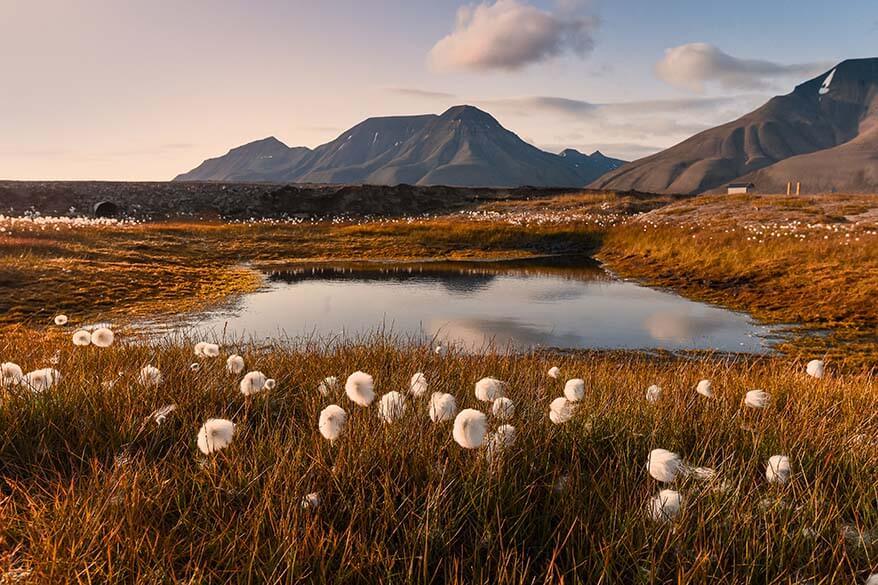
[
  {"x": 574, "y": 107},
  {"x": 420, "y": 93},
  {"x": 509, "y": 35},
  {"x": 694, "y": 65}
]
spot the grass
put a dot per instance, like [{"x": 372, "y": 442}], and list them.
[{"x": 92, "y": 490}]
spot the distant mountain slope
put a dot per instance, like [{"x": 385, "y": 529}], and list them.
[
  {"x": 821, "y": 134},
  {"x": 462, "y": 147}
]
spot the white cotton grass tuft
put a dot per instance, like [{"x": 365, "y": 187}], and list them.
[
  {"x": 499, "y": 441},
  {"x": 665, "y": 506},
  {"x": 10, "y": 373},
  {"x": 199, "y": 348},
  {"x": 815, "y": 368},
  {"x": 207, "y": 350},
  {"x": 358, "y": 388},
  {"x": 653, "y": 393},
  {"x": 215, "y": 435},
  {"x": 503, "y": 408},
  {"x": 332, "y": 421},
  {"x": 440, "y": 350},
  {"x": 778, "y": 469},
  {"x": 418, "y": 385},
  {"x": 234, "y": 364},
  {"x": 554, "y": 372},
  {"x": 61, "y": 320},
  {"x": 701, "y": 473},
  {"x": 252, "y": 383},
  {"x": 102, "y": 337},
  {"x": 469, "y": 428},
  {"x": 489, "y": 389},
  {"x": 311, "y": 501},
  {"x": 160, "y": 415},
  {"x": 757, "y": 399},
  {"x": 327, "y": 386},
  {"x": 270, "y": 384},
  {"x": 41, "y": 380},
  {"x": 664, "y": 465},
  {"x": 391, "y": 406},
  {"x": 150, "y": 376},
  {"x": 194, "y": 366},
  {"x": 705, "y": 388},
  {"x": 561, "y": 410},
  {"x": 574, "y": 390},
  {"x": 442, "y": 407},
  {"x": 82, "y": 338}
]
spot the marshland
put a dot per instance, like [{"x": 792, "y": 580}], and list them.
[{"x": 140, "y": 458}]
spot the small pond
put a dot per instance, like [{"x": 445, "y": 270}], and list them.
[{"x": 561, "y": 302}]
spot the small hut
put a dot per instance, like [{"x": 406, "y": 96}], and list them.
[
  {"x": 105, "y": 209},
  {"x": 736, "y": 188}
]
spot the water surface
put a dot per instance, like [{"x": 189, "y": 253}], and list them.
[{"x": 566, "y": 303}]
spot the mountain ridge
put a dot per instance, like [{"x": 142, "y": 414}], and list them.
[{"x": 464, "y": 146}]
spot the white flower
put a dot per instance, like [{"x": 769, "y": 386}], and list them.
[
  {"x": 757, "y": 398},
  {"x": 391, "y": 407},
  {"x": 574, "y": 390},
  {"x": 439, "y": 350},
  {"x": 359, "y": 388},
  {"x": 270, "y": 384},
  {"x": 503, "y": 408},
  {"x": 195, "y": 366},
  {"x": 199, "y": 348},
  {"x": 705, "y": 388},
  {"x": 82, "y": 338},
  {"x": 210, "y": 350},
  {"x": 815, "y": 368},
  {"x": 329, "y": 384},
  {"x": 418, "y": 385},
  {"x": 10, "y": 373},
  {"x": 216, "y": 434},
  {"x": 102, "y": 337},
  {"x": 252, "y": 383},
  {"x": 150, "y": 376},
  {"x": 665, "y": 506},
  {"x": 653, "y": 393},
  {"x": 554, "y": 372},
  {"x": 778, "y": 469},
  {"x": 442, "y": 407},
  {"x": 664, "y": 465},
  {"x": 311, "y": 501},
  {"x": 561, "y": 410},
  {"x": 332, "y": 421},
  {"x": 489, "y": 389},
  {"x": 235, "y": 364},
  {"x": 160, "y": 415},
  {"x": 499, "y": 440},
  {"x": 41, "y": 380},
  {"x": 469, "y": 428},
  {"x": 61, "y": 320}
]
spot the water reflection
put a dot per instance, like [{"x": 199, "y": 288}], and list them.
[{"x": 568, "y": 302}]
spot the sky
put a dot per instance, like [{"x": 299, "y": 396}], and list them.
[{"x": 147, "y": 89}]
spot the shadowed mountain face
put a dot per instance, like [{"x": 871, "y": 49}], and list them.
[
  {"x": 823, "y": 134},
  {"x": 463, "y": 147}
]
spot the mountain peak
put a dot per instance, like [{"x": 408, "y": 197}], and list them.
[{"x": 468, "y": 114}]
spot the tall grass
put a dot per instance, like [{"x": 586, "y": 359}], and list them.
[{"x": 94, "y": 491}]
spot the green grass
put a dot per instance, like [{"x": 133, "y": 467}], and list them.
[{"x": 94, "y": 492}]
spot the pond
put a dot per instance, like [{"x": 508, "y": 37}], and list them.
[{"x": 562, "y": 302}]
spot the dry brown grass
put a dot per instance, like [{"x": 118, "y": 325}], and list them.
[{"x": 94, "y": 492}]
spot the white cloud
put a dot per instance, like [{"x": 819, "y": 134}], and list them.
[
  {"x": 694, "y": 65},
  {"x": 509, "y": 35}
]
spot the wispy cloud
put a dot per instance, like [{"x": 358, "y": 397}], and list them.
[
  {"x": 421, "y": 93},
  {"x": 695, "y": 65},
  {"x": 508, "y": 35}
]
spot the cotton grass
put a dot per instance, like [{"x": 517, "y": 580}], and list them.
[
  {"x": 252, "y": 383},
  {"x": 561, "y": 410},
  {"x": 150, "y": 376},
  {"x": 10, "y": 373},
  {"x": 653, "y": 393},
  {"x": 102, "y": 337},
  {"x": 332, "y": 421},
  {"x": 41, "y": 380},
  {"x": 327, "y": 386},
  {"x": 469, "y": 428},
  {"x": 391, "y": 406},
  {"x": 815, "y": 368},
  {"x": 664, "y": 465},
  {"x": 81, "y": 338},
  {"x": 778, "y": 469},
  {"x": 574, "y": 390},
  {"x": 757, "y": 399},
  {"x": 234, "y": 364},
  {"x": 489, "y": 389},
  {"x": 705, "y": 388},
  {"x": 443, "y": 407},
  {"x": 503, "y": 408},
  {"x": 215, "y": 435},
  {"x": 358, "y": 388},
  {"x": 418, "y": 385},
  {"x": 499, "y": 441},
  {"x": 60, "y": 320},
  {"x": 554, "y": 372},
  {"x": 665, "y": 506}
]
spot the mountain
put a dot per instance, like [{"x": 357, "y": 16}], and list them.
[
  {"x": 823, "y": 134},
  {"x": 464, "y": 146}
]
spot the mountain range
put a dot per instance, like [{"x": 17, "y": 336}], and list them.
[
  {"x": 823, "y": 134},
  {"x": 464, "y": 146}
]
